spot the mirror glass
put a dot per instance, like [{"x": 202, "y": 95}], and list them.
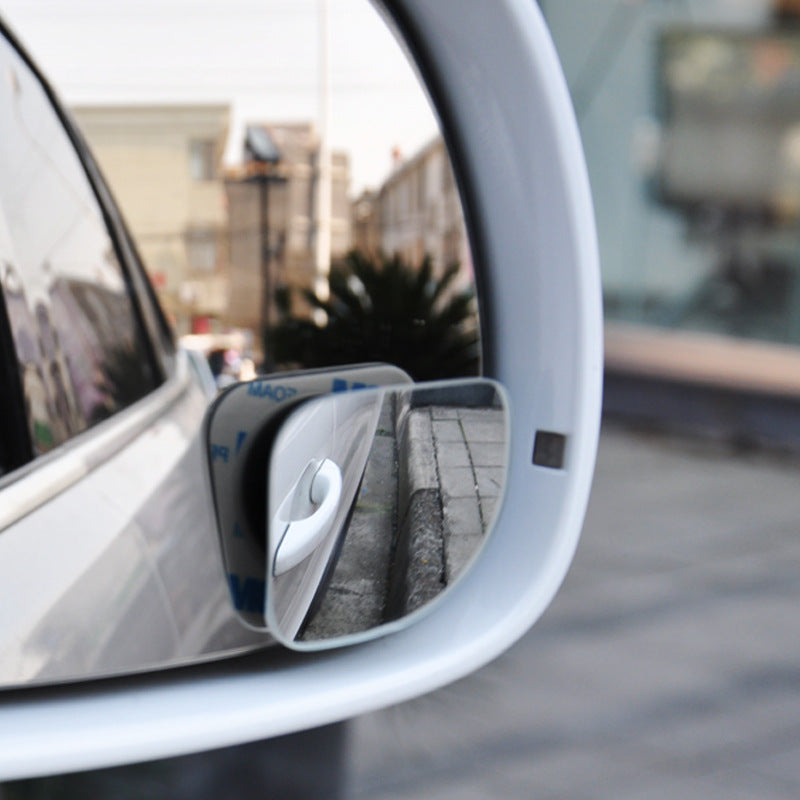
[
  {"x": 253, "y": 147},
  {"x": 285, "y": 154},
  {"x": 378, "y": 501}
]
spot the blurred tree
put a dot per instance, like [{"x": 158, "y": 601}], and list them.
[{"x": 382, "y": 309}]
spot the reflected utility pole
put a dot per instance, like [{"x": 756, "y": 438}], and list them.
[
  {"x": 263, "y": 159},
  {"x": 323, "y": 237}
]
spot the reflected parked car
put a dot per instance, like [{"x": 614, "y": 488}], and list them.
[
  {"x": 99, "y": 453},
  {"x": 226, "y": 355}
]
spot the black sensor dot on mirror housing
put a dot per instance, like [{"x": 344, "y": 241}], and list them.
[{"x": 549, "y": 449}]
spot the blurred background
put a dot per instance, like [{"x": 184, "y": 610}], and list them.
[
  {"x": 669, "y": 664},
  {"x": 689, "y": 115}
]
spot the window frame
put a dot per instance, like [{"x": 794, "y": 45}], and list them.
[
  {"x": 16, "y": 445},
  {"x": 196, "y": 240},
  {"x": 203, "y": 158}
]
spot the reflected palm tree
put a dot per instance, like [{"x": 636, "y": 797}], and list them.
[{"x": 382, "y": 309}]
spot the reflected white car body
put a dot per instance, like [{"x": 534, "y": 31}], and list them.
[{"x": 113, "y": 521}]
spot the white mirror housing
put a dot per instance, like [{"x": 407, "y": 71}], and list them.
[{"x": 495, "y": 79}]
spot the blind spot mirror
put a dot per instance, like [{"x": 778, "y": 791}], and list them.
[
  {"x": 239, "y": 427},
  {"x": 378, "y": 501}
]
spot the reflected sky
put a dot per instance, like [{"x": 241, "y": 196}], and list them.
[{"x": 262, "y": 54}]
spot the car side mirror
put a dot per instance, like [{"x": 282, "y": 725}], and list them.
[{"x": 517, "y": 159}]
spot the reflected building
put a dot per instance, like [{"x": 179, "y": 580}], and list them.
[
  {"x": 416, "y": 212},
  {"x": 163, "y": 163},
  {"x": 95, "y": 350},
  {"x": 78, "y": 364},
  {"x": 273, "y": 206},
  {"x": 366, "y": 222}
]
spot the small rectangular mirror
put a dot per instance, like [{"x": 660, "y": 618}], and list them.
[{"x": 378, "y": 500}]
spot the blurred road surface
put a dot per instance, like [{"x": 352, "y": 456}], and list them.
[{"x": 667, "y": 666}]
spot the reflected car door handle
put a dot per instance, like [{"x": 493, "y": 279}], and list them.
[{"x": 302, "y": 536}]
